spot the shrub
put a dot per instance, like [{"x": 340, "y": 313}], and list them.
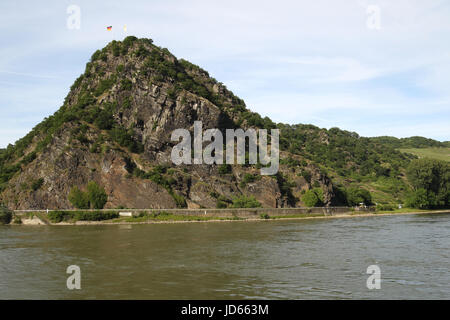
[
  {"x": 385, "y": 207},
  {"x": 418, "y": 199},
  {"x": 225, "y": 169},
  {"x": 311, "y": 198},
  {"x": 125, "y": 139},
  {"x": 37, "y": 184},
  {"x": 221, "y": 204},
  {"x": 246, "y": 202},
  {"x": 59, "y": 216},
  {"x": 78, "y": 198},
  {"x": 104, "y": 120},
  {"x": 95, "y": 215},
  {"x": 5, "y": 215},
  {"x": 264, "y": 216},
  {"x": 96, "y": 195},
  {"x": 179, "y": 200},
  {"x": 104, "y": 85},
  {"x": 356, "y": 195},
  {"x": 17, "y": 220},
  {"x": 431, "y": 181},
  {"x": 126, "y": 84}
]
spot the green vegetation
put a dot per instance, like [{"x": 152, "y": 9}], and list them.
[
  {"x": 225, "y": 169},
  {"x": 431, "y": 153},
  {"x": 361, "y": 169},
  {"x": 5, "y": 215},
  {"x": 72, "y": 216},
  {"x": 248, "y": 178},
  {"x": 407, "y": 143},
  {"x": 17, "y": 220},
  {"x": 78, "y": 198},
  {"x": 96, "y": 195},
  {"x": 431, "y": 184},
  {"x": 313, "y": 198},
  {"x": 246, "y": 202},
  {"x": 159, "y": 176},
  {"x": 94, "y": 198},
  {"x": 125, "y": 139},
  {"x": 356, "y": 195},
  {"x": 37, "y": 184}
]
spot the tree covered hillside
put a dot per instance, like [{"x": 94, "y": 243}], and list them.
[{"x": 114, "y": 129}]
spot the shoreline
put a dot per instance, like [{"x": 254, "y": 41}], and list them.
[{"x": 37, "y": 221}]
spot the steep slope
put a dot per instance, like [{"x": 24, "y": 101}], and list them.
[{"x": 115, "y": 126}]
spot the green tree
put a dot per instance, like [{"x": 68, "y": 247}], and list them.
[
  {"x": 246, "y": 202},
  {"x": 5, "y": 215},
  {"x": 418, "y": 199},
  {"x": 356, "y": 195},
  {"x": 78, "y": 198},
  {"x": 104, "y": 120},
  {"x": 431, "y": 179},
  {"x": 97, "y": 195},
  {"x": 313, "y": 198}
]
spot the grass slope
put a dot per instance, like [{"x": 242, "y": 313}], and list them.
[{"x": 432, "y": 153}]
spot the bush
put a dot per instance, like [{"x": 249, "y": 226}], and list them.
[
  {"x": 104, "y": 120},
  {"x": 126, "y": 84},
  {"x": 313, "y": 198},
  {"x": 221, "y": 204},
  {"x": 37, "y": 184},
  {"x": 59, "y": 216},
  {"x": 125, "y": 139},
  {"x": 225, "y": 169},
  {"x": 17, "y": 220},
  {"x": 95, "y": 215},
  {"x": 431, "y": 181},
  {"x": 385, "y": 207},
  {"x": 78, "y": 198},
  {"x": 356, "y": 195},
  {"x": 419, "y": 199},
  {"x": 264, "y": 216},
  {"x": 96, "y": 195},
  {"x": 246, "y": 202},
  {"x": 94, "y": 198},
  {"x": 5, "y": 215}
]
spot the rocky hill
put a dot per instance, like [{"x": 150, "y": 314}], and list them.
[{"x": 115, "y": 127}]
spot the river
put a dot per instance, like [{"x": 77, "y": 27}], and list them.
[{"x": 301, "y": 259}]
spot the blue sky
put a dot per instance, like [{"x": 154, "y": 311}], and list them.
[{"x": 317, "y": 62}]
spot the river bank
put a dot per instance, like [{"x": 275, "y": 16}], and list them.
[{"x": 165, "y": 217}]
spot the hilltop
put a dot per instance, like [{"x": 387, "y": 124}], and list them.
[{"x": 114, "y": 128}]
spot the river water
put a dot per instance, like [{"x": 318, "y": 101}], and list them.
[{"x": 302, "y": 259}]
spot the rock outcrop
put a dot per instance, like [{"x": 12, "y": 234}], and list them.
[{"x": 115, "y": 128}]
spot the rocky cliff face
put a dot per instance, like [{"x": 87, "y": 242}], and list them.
[{"x": 115, "y": 128}]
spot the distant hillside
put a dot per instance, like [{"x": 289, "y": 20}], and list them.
[
  {"x": 431, "y": 153},
  {"x": 412, "y": 142},
  {"x": 114, "y": 128}
]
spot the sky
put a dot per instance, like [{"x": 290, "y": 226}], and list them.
[{"x": 374, "y": 67}]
